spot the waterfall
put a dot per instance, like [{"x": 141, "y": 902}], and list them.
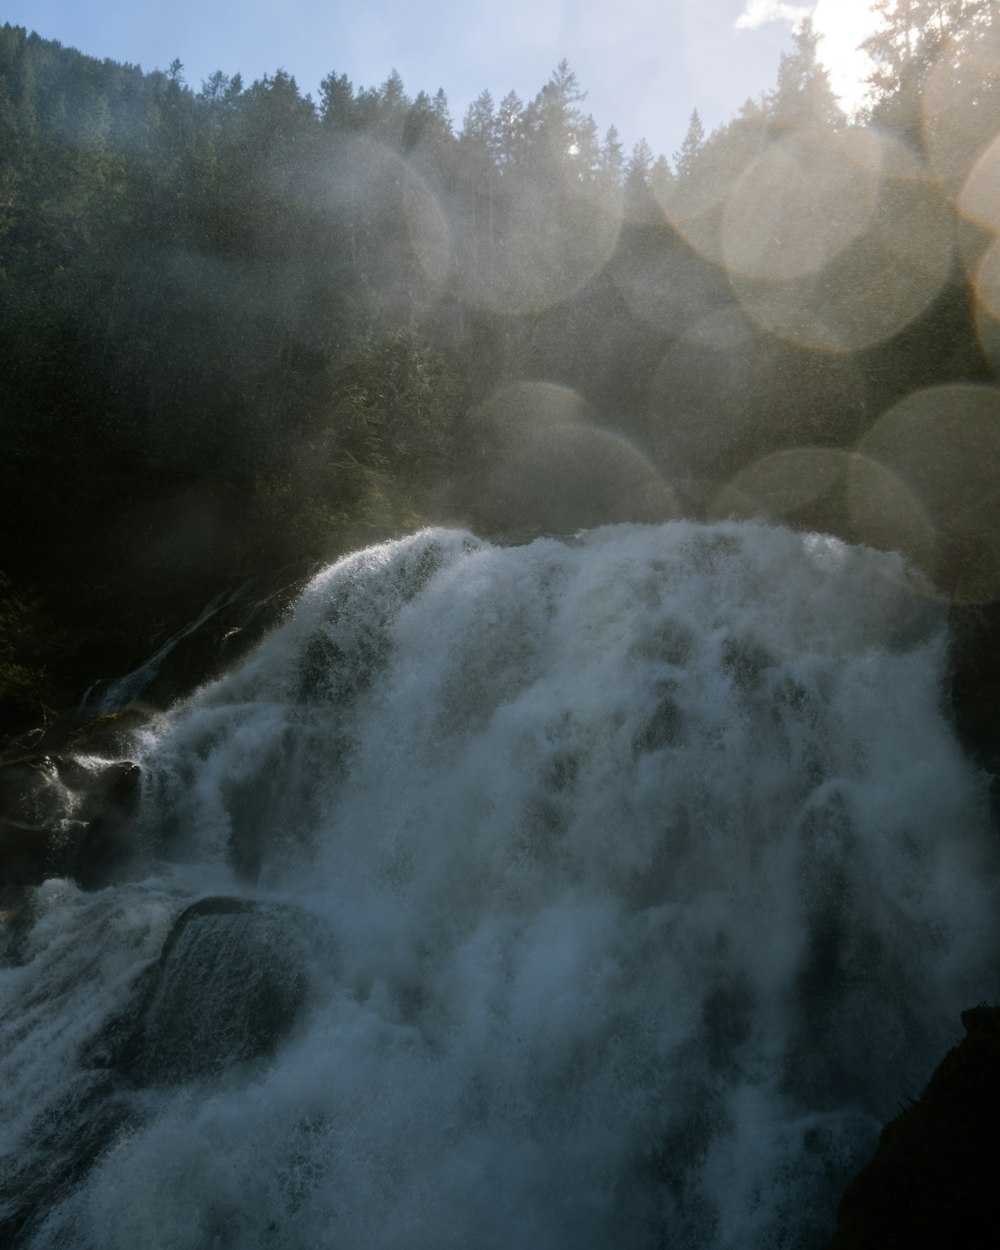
[{"x": 592, "y": 893}]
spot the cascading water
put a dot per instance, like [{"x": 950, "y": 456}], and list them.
[{"x": 600, "y": 893}]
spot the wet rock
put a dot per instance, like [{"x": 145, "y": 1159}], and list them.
[
  {"x": 187, "y": 651},
  {"x": 229, "y": 986},
  {"x": 106, "y": 843},
  {"x": 932, "y": 1181},
  {"x": 23, "y": 849},
  {"x": 110, "y": 736},
  {"x": 975, "y": 688},
  {"x": 32, "y": 792},
  {"x": 36, "y": 822},
  {"x": 64, "y": 816}
]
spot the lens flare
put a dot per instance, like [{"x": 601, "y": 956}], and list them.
[
  {"x": 986, "y": 284},
  {"x": 670, "y": 290},
  {"x": 531, "y": 246},
  {"x": 960, "y": 107},
  {"x": 803, "y": 201},
  {"x": 979, "y": 198},
  {"x": 565, "y": 478},
  {"x": 695, "y": 205},
  {"x": 782, "y": 483},
  {"x": 397, "y": 234},
  {"x": 886, "y": 514},
  {"x": 553, "y": 472},
  {"x": 699, "y": 403},
  {"x": 513, "y": 410},
  {"x": 977, "y": 579},
  {"x": 927, "y": 481},
  {"x": 988, "y": 332},
  {"x": 880, "y": 280}
]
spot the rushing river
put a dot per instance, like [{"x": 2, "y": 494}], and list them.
[{"x": 608, "y": 893}]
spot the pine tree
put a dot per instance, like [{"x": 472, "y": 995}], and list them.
[
  {"x": 686, "y": 157},
  {"x": 478, "y": 134},
  {"x": 510, "y": 130},
  {"x": 611, "y": 161},
  {"x": 803, "y": 96},
  {"x": 558, "y": 131},
  {"x": 661, "y": 178},
  {"x": 393, "y": 107},
  {"x": 918, "y": 39},
  {"x": 213, "y": 88},
  {"x": 640, "y": 164},
  {"x": 427, "y": 128},
  {"x": 913, "y": 33},
  {"x": 336, "y": 102}
]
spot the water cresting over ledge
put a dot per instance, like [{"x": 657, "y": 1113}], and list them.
[{"x": 589, "y": 892}]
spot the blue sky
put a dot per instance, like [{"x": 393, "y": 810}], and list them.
[{"x": 645, "y": 64}]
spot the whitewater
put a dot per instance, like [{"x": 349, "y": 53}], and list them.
[{"x": 604, "y": 892}]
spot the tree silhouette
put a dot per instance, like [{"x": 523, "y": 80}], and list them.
[
  {"x": 686, "y": 157},
  {"x": 803, "y": 96}
]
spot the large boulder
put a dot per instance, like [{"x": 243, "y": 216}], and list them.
[{"x": 228, "y": 987}]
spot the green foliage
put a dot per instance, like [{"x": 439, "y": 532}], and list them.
[
  {"x": 375, "y": 456},
  {"x": 240, "y": 327},
  {"x": 913, "y": 33},
  {"x": 913, "y": 37},
  {"x": 24, "y": 636}
]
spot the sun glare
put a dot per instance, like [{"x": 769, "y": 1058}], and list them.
[{"x": 843, "y": 24}]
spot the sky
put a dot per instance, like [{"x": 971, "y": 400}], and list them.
[{"x": 645, "y": 64}]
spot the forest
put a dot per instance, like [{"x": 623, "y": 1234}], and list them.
[
  {"x": 617, "y": 890},
  {"x": 243, "y": 329}
]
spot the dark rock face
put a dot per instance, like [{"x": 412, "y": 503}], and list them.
[
  {"x": 189, "y": 650},
  {"x": 975, "y": 687},
  {"x": 106, "y": 843},
  {"x": 60, "y": 817},
  {"x": 36, "y": 821},
  {"x": 932, "y": 1184}
]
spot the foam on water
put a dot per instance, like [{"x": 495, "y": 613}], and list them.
[{"x": 647, "y": 875}]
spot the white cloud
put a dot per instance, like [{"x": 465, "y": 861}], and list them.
[{"x": 759, "y": 12}]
